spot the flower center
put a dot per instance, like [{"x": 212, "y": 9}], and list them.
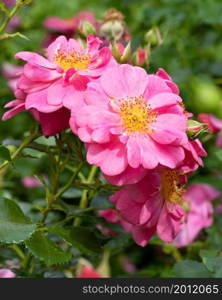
[
  {"x": 172, "y": 189},
  {"x": 136, "y": 115},
  {"x": 75, "y": 60}
]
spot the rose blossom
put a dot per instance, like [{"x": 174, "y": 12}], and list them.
[
  {"x": 152, "y": 205},
  {"x": 131, "y": 120},
  {"x": 200, "y": 215},
  {"x": 193, "y": 151},
  {"x": 49, "y": 121},
  {"x": 49, "y": 87}
]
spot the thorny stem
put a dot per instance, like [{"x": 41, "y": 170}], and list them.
[
  {"x": 25, "y": 143},
  {"x": 84, "y": 198},
  {"x": 54, "y": 194},
  {"x": 70, "y": 182}
]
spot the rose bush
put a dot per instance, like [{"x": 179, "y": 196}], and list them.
[{"x": 103, "y": 160}]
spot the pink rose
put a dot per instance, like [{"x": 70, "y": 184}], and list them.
[
  {"x": 200, "y": 215},
  {"x": 133, "y": 120}
]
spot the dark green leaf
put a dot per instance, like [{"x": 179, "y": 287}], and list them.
[
  {"x": 86, "y": 237},
  {"x": 46, "y": 250},
  {"x": 5, "y": 153},
  {"x": 72, "y": 193},
  {"x": 79, "y": 237},
  {"x": 15, "y": 227}
]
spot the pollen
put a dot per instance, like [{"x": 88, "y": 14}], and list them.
[
  {"x": 172, "y": 189},
  {"x": 136, "y": 115},
  {"x": 75, "y": 60}
]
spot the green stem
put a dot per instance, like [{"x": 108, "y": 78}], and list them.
[
  {"x": 80, "y": 175},
  {"x": 59, "y": 193},
  {"x": 176, "y": 254},
  {"x": 27, "y": 262},
  {"x": 9, "y": 16},
  {"x": 56, "y": 174},
  {"x": 84, "y": 198},
  {"x": 70, "y": 182},
  {"x": 96, "y": 187},
  {"x": 18, "y": 251},
  {"x": 25, "y": 143}
]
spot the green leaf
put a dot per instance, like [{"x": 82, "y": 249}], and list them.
[
  {"x": 46, "y": 250},
  {"x": 15, "y": 227},
  {"x": 191, "y": 269},
  {"x": 218, "y": 273},
  {"x": 50, "y": 141},
  {"x": 33, "y": 153},
  {"x": 79, "y": 237},
  {"x": 5, "y": 153},
  {"x": 86, "y": 237},
  {"x": 72, "y": 193},
  {"x": 212, "y": 260}
]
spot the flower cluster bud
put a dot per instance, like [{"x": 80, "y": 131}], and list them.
[
  {"x": 113, "y": 26},
  {"x": 194, "y": 128},
  {"x": 153, "y": 37},
  {"x": 140, "y": 57},
  {"x": 121, "y": 53},
  {"x": 85, "y": 28}
]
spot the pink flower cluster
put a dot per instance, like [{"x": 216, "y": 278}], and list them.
[
  {"x": 50, "y": 87},
  {"x": 133, "y": 125}
]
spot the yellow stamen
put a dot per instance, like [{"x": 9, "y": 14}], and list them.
[
  {"x": 172, "y": 190},
  {"x": 75, "y": 60},
  {"x": 136, "y": 115}
]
